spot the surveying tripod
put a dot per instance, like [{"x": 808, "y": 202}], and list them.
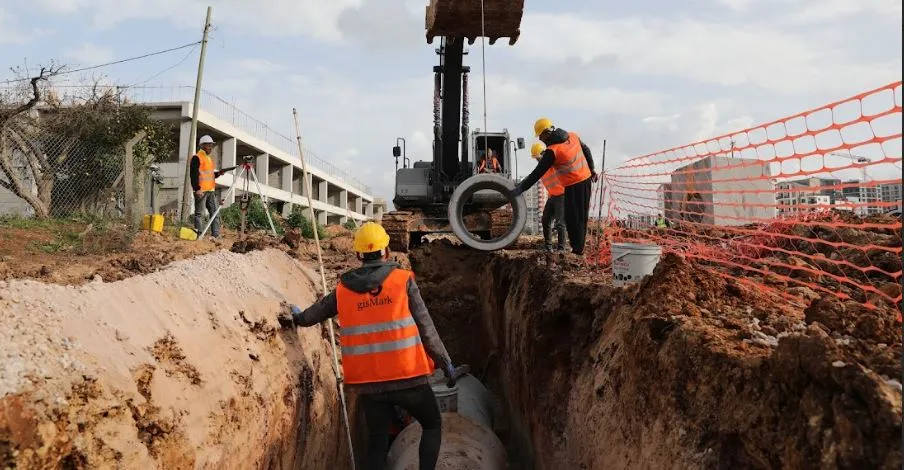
[{"x": 245, "y": 200}]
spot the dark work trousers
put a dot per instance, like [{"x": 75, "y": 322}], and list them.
[
  {"x": 577, "y": 210},
  {"x": 420, "y": 403},
  {"x": 554, "y": 212},
  {"x": 209, "y": 201}
]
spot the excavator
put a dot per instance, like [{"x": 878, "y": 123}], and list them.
[{"x": 428, "y": 197}]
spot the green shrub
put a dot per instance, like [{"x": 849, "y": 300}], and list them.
[
  {"x": 256, "y": 218},
  {"x": 297, "y": 219},
  {"x": 351, "y": 225}
]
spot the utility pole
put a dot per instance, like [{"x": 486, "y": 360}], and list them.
[{"x": 193, "y": 135}]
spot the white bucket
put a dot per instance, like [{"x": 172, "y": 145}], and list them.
[
  {"x": 446, "y": 398},
  {"x": 631, "y": 262}
]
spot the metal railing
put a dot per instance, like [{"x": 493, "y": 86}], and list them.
[{"x": 228, "y": 112}]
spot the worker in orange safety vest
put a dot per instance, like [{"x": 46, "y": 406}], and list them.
[
  {"x": 203, "y": 174},
  {"x": 389, "y": 345},
  {"x": 493, "y": 165},
  {"x": 572, "y": 162},
  {"x": 554, "y": 209}
]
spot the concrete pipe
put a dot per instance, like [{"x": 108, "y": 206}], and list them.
[
  {"x": 491, "y": 188},
  {"x": 466, "y": 446},
  {"x": 468, "y": 438}
]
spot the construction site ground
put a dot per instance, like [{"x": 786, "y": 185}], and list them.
[{"x": 147, "y": 351}]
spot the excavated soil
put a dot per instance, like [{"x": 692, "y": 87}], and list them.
[
  {"x": 180, "y": 365},
  {"x": 184, "y": 368},
  {"x": 687, "y": 370}
]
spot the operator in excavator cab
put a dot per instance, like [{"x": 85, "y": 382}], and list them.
[
  {"x": 572, "y": 163},
  {"x": 493, "y": 165},
  {"x": 389, "y": 345}
]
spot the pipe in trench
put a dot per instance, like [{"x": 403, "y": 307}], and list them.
[{"x": 468, "y": 437}]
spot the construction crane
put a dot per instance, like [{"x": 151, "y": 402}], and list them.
[
  {"x": 856, "y": 159},
  {"x": 424, "y": 190}
]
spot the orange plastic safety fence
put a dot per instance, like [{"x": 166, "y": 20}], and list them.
[{"x": 801, "y": 207}]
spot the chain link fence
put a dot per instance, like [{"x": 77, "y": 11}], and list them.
[{"x": 50, "y": 174}]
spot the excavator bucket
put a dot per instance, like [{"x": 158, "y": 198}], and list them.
[{"x": 462, "y": 19}]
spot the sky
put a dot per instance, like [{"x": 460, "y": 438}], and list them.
[{"x": 644, "y": 75}]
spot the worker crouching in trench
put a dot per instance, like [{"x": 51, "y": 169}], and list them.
[{"x": 389, "y": 345}]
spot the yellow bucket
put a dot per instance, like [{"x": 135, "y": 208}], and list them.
[{"x": 186, "y": 233}]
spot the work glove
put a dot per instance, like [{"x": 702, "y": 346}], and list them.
[
  {"x": 450, "y": 376},
  {"x": 286, "y": 317},
  {"x": 594, "y": 177}
]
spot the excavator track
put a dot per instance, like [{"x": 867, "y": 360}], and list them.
[
  {"x": 402, "y": 225},
  {"x": 399, "y": 225},
  {"x": 462, "y": 18}
]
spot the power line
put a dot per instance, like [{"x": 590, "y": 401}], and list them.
[
  {"x": 116, "y": 62},
  {"x": 168, "y": 68}
]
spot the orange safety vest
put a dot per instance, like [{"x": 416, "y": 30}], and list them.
[
  {"x": 552, "y": 184},
  {"x": 570, "y": 164},
  {"x": 483, "y": 165},
  {"x": 206, "y": 178},
  {"x": 379, "y": 338}
]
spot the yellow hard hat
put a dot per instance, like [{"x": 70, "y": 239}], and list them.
[
  {"x": 537, "y": 149},
  {"x": 541, "y": 125},
  {"x": 371, "y": 237}
]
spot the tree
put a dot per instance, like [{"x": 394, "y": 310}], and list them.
[{"x": 73, "y": 151}]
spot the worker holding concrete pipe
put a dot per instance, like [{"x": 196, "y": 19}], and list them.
[
  {"x": 572, "y": 163},
  {"x": 203, "y": 174},
  {"x": 554, "y": 209},
  {"x": 389, "y": 345}
]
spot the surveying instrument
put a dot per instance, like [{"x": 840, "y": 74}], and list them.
[{"x": 245, "y": 171}]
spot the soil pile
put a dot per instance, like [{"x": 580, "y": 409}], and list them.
[
  {"x": 182, "y": 368},
  {"x": 690, "y": 369}
]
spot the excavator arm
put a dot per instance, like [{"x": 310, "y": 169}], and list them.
[{"x": 462, "y": 19}]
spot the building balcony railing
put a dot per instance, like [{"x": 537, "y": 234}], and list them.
[{"x": 228, "y": 112}]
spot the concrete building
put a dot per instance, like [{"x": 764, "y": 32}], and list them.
[
  {"x": 536, "y": 199},
  {"x": 891, "y": 193},
  {"x": 666, "y": 197},
  {"x": 379, "y": 208},
  {"x": 807, "y": 195},
  {"x": 640, "y": 221},
  {"x": 723, "y": 191},
  {"x": 336, "y": 195},
  {"x": 859, "y": 194}
]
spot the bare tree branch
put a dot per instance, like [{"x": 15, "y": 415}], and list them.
[{"x": 45, "y": 74}]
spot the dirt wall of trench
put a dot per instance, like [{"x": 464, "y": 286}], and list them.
[
  {"x": 184, "y": 368},
  {"x": 687, "y": 370}
]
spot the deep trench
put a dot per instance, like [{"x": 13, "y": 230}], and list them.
[
  {"x": 657, "y": 375},
  {"x": 454, "y": 283}
]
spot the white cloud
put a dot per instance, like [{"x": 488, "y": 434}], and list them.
[
  {"x": 313, "y": 18},
  {"x": 726, "y": 54},
  {"x": 88, "y": 54}
]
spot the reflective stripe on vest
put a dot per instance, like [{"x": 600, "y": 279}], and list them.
[
  {"x": 551, "y": 182},
  {"x": 206, "y": 179},
  {"x": 379, "y": 337},
  {"x": 570, "y": 164}
]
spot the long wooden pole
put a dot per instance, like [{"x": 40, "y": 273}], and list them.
[{"x": 306, "y": 185}]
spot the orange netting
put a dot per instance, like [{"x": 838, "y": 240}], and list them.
[{"x": 801, "y": 206}]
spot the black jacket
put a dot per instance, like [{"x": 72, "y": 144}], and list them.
[
  {"x": 365, "y": 279},
  {"x": 549, "y": 157}
]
